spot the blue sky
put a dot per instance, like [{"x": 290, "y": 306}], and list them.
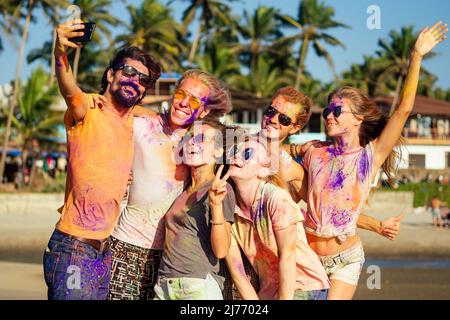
[{"x": 359, "y": 40}]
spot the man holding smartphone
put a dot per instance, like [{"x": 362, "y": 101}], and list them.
[{"x": 77, "y": 260}]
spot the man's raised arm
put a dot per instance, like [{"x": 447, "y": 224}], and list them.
[{"x": 72, "y": 94}]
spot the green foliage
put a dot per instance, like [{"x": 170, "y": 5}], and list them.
[
  {"x": 424, "y": 192},
  {"x": 33, "y": 118}
]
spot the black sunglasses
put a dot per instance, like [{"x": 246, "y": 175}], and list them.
[
  {"x": 130, "y": 72},
  {"x": 335, "y": 109},
  {"x": 282, "y": 118}
]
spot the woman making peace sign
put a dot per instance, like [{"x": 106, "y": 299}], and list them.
[{"x": 197, "y": 226}]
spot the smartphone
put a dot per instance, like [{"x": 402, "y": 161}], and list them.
[{"x": 89, "y": 28}]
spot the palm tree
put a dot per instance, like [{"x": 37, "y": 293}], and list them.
[
  {"x": 210, "y": 10},
  {"x": 9, "y": 13},
  {"x": 29, "y": 6},
  {"x": 33, "y": 119},
  {"x": 29, "y": 10},
  {"x": 154, "y": 30},
  {"x": 365, "y": 76},
  {"x": 264, "y": 80},
  {"x": 426, "y": 86},
  {"x": 313, "y": 19},
  {"x": 219, "y": 60},
  {"x": 97, "y": 11},
  {"x": 396, "y": 52},
  {"x": 261, "y": 33}
]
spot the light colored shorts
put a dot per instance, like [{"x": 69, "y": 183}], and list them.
[
  {"x": 184, "y": 288},
  {"x": 345, "y": 266},
  {"x": 436, "y": 213}
]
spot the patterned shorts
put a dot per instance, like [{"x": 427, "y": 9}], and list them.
[
  {"x": 229, "y": 291},
  {"x": 134, "y": 271}
]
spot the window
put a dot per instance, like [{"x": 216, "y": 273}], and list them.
[
  {"x": 417, "y": 161},
  {"x": 448, "y": 159}
]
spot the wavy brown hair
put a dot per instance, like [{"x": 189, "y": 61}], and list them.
[{"x": 374, "y": 121}]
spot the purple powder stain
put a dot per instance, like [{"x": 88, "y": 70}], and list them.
[
  {"x": 340, "y": 218},
  {"x": 169, "y": 186},
  {"x": 192, "y": 118},
  {"x": 337, "y": 181},
  {"x": 363, "y": 168}
]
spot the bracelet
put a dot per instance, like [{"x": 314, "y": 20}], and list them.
[{"x": 216, "y": 224}]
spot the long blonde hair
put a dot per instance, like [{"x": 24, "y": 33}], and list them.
[{"x": 374, "y": 121}]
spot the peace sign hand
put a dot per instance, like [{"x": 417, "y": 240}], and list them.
[
  {"x": 218, "y": 189},
  {"x": 430, "y": 37}
]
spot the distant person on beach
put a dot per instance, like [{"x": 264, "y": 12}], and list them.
[
  {"x": 436, "y": 212},
  {"x": 341, "y": 173},
  {"x": 77, "y": 260}
]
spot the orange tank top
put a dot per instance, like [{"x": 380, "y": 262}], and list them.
[{"x": 100, "y": 156}]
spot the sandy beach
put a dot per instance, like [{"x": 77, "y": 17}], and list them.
[{"x": 27, "y": 222}]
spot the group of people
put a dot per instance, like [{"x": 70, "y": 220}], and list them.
[{"x": 209, "y": 213}]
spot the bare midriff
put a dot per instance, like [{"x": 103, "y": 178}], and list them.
[{"x": 330, "y": 246}]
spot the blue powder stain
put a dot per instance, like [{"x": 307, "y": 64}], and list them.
[
  {"x": 363, "y": 166},
  {"x": 192, "y": 118},
  {"x": 337, "y": 181}
]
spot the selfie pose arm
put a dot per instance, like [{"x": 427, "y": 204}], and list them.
[
  {"x": 427, "y": 40},
  {"x": 70, "y": 91}
]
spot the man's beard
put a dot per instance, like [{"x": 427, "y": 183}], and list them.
[{"x": 125, "y": 100}]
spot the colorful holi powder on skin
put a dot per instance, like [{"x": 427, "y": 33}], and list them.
[{"x": 192, "y": 118}]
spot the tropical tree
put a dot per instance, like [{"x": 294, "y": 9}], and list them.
[
  {"x": 219, "y": 60},
  {"x": 9, "y": 13},
  {"x": 396, "y": 52},
  {"x": 365, "y": 76},
  {"x": 154, "y": 30},
  {"x": 29, "y": 10},
  {"x": 260, "y": 32},
  {"x": 28, "y": 7},
  {"x": 264, "y": 80},
  {"x": 211, "y": 14},
  {"x": 427, "y": 84},
  {"x": 313, "y": 21},
  {"x": 33, "y": 118}
]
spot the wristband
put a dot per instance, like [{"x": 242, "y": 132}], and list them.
[{"x": 216, "y": 224}]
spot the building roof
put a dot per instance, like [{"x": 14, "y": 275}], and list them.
[{"x": 423, "y": 105}]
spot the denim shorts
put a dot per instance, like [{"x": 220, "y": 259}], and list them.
[
  {"x": 184, "y": 288},
  {"x": 345, "y": 266},
  {"x": 74, "y": 270}
]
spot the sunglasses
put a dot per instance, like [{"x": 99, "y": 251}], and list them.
[
  {"x": 282, "y": 118},
  {"x": 335, "y": 109},
  {"x": 194, "y": 102},
  {"x": 246, "y": 153},
  {"x": 130, "y": 72}
]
